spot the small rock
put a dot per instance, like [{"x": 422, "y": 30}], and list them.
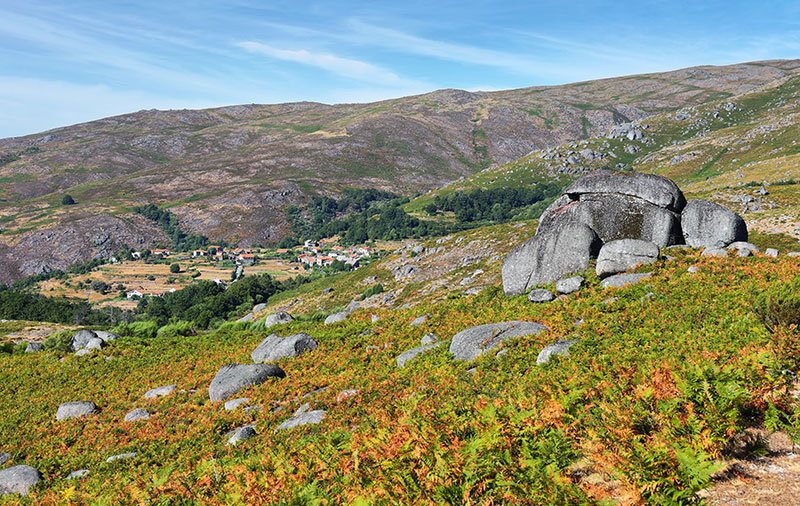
[
  {"x": 4, "y": 457},
  {"x": 95, "y": 344},
  {"x": 278, "y": 318},
  {"x": 137, "y": 414},
  {"x": 121, "y": 456},
  {"x": 740, "y": 245},
  {"x": 354, "y": 304},
  {"x": 793, "y": 254},
  {"x": 336, "y": 317},
  {"x": 428, "y": 339},
  {"x": 418, "y": 320},
  {"x": 235, "y": 403},
  {"x": 610, "y": 300},
  {"x": 310, "y": 417},
  {"x": 646, "y": 297},
  {"x": 75, "y": 409},
  {"x": 315, "y": 391},
  {"x": 252, "y": 409},
  {"x": 274, "y": 347},
  {"x": 375, "y": 318},
  {"x": 34, "y": 347},
  {"x": 714, "y": 252},
  {"x": 326, "y": 291},
  {"x": 411, "y": 354},
  {"x": 771, "y": 252},
  {"x": 624, "y": 279},
  {"x": 744, "y": 253},
  {"x": 160, "y": 391},
  {"x": 569, "y": 285},
  {"x": 541, "y": 295},
  {"x": 18, "y": 480},
  {"x": 693, "y": 269},
  {"x": 241, "y": 434},
  {"x": 560, "y": 348},
  {"x": 625, "y": 254},
  {"x": 106, "y": 336},
  {"x": 345, "y": 394},
  {"x": 78, "y": 474}
]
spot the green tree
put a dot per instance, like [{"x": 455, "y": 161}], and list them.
[
  {"x": 175, "y": 268},
  {"x": 67, "y": 200}
]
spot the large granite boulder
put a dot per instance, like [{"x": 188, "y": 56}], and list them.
[
  {"x": 234, "y": 377},
  {"x": 76, "y": 409},
  {"x": 82, "y": 338},
  {"x": 709, "y": 225},
  {"x": 548, "y": 256},
  {"x": 274, "y": 347},
  {"x": 18, "y": 480},
  {"x": 470, "y": 343},
  {"x": 657, "y": 190},
  {"x": 625, "y": 254}
]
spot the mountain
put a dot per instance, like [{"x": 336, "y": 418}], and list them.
[{"x": 229, "y": 172}]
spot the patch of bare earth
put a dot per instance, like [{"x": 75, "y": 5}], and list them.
[{"x": 773, "y": 479}]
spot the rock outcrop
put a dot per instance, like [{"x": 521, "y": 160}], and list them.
[
  {"x": 625, "y": 254},
  {"x": 470, "y": 343},
  {"x": 274, "y": 347},
  {"x": 234, "y": 377},
  {"x": 709, "y": 225}
]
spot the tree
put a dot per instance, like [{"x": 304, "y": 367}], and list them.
[
  {"x": 175, "y": 268},
  {"x": 67, "y": 200},
  {"x": 99, "y": 286}
]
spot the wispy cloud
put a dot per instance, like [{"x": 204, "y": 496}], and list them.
[{"x": 345, "y": 67}]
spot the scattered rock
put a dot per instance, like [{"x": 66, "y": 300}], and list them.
[
  {"x": 470, "y": 343},
  {"x": 352, "y": 306},
  {"x": 315, "y": 391},
  {"x": 241, "y": 434},
  {"x": 234, "y": 377},
  {"x": 620, "y": 280},
  {"x": 4, "y": 457},
  {"x": 693, "y": 269},
  {"x": 623, "y": 255},
  {"x": 549, "y": 256},
  {"x": 375, "y": 318},
  {"x": 714, "y": 252},
  {"x": 793, "y": 254},
  {"x": 78, "y": 474},
  {"x": 106, "y": 336},
  {"x": 235, "y": 403},
  {"x": 771, "y": 252},
  {"x": 411, "y": 354},
  {"x": 326, "y": 291},
  {"x": 336, "y": 317},
  {"x": 81, "y": 338},
  {"x": 160, "y": 391},
  {"x": 742, "y": 245},
  {"x": 560, "y": 348},
  {"x": 278, "y": 318},
  {"x": 310, "y": 417},
  {"x": 345, "y": 394},
  {"x": 33, "y": 347},
  {"x": 709, "y": 225},
  {"x": 541, "y": 295},
  {"x": 250, "y": 409},
  {"x": 121, "y": 456},
  {"x": 274, "y": 347},
  {"x": 428, "y": 339},
  {"x": 75, "y": 409},
  {"x": 18, "y": 480},
  {"x": 419, "y": 320},
  {"x": 569, "y": 285},
  {"x": 137, "y": 414}
]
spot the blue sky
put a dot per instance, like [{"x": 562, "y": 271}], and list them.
[{"x": 67, "y": 62}]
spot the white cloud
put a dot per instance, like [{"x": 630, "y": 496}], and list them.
[{"x": 345, "y": 67}]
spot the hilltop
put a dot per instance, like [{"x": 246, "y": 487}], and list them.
[{"x": 229, "y": 173}]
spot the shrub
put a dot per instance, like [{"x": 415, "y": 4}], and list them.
[
  {"x": 369, "y": 292},
  {"x": 175, "y": 268},
  {"x": 67, "y": 200},
  {"x": 147, "y": 330},
  {"x": 779, "y": 306},
  {"x": 176, "y": 329},
  {"x": 60, "y": 341}
]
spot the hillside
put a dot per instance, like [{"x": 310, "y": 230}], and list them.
[
  {"x": 229, "y": 172},
  {"x": 648, "y": 406}
]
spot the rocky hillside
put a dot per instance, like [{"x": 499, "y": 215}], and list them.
[{"x": 229, "y": 172}]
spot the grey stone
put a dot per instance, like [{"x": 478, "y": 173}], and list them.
[
  {"x": 336, "y": 317},
  {"x": 274, "y": 347},
  {"x": 375, "y": 318},
  {"x": 623, "y": 255},
  {"x": 352, "y": 306},
  {"x": 657, "y": 190},
  {"x": 137, "y": 414},
  {"x": 81, "y": 338},
  {"x": 411, "y": 354},
  {"x": 252, "y": 409},
  {"x": 278, "y": 318},
  {"x": 302, "y": 409},
  {"x": 419, "y": 320},
  {"x": 693, "y": 269},
  {"x": 34, "y": 347},
  {"x": 417, "y": 249},
  {"x": 160, "y": 391},
  {"x": 4, "y": 457},
  {"x": 315, "y": 391},
  {"x": 541, "y": 295},
  {"x": 95, "y": 344},
  {"x": 241, "y": 434},
  {"x": 80, "y": 473},
  {"x": 714, "y": 252},
  {"x": 309, "y": 417},
  {"x": 619, "y": 280},
  {"x": 744, "y": 252},
  {"x": 743, "y": 245},
  {"x": 106, "y": 336},
  {"x": 326, "y": 291},
  {"x": 235, "y": 403},
  {"x": 18, "y": 480},
  {"x": 569, "y": 285},
  {"x": 428, "y": 339},
  {"x": 771, "y": 252},
  {"x": 75, "y": 409},
  {"x": 122, "y": 456},
  {"x": 709, "y": 225},
  {"x": 470, "y": 343},
  {"x": 793, "y": 254},
  {"x": 560, "y": 348},
  {"x": 548, "y": 256},
  {"x": 234, "y": 377}
]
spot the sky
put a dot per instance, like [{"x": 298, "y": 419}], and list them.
[{"x": 63, "y": 63}]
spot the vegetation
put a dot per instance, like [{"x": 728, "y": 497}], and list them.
[
  {"x": 168, "y": 222},
  {"x": 495, "y": 204},
  {"x": 17, "y": 305},
  {"x": 67, "y": 200}
]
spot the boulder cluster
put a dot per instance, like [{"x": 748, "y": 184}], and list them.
[{"x": 620, "y": 218}]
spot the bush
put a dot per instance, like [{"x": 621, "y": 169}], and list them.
[
  {"x": 67, "y": 200},
  {"x": 176, "y": 329},
  {"x": 779, "y": 306},
  {"x": 175, "y": 268},
  {"x": 61, "y": 341},
  {"x": 145, "y": 330},
  {"x": 369, "y": 292}
]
